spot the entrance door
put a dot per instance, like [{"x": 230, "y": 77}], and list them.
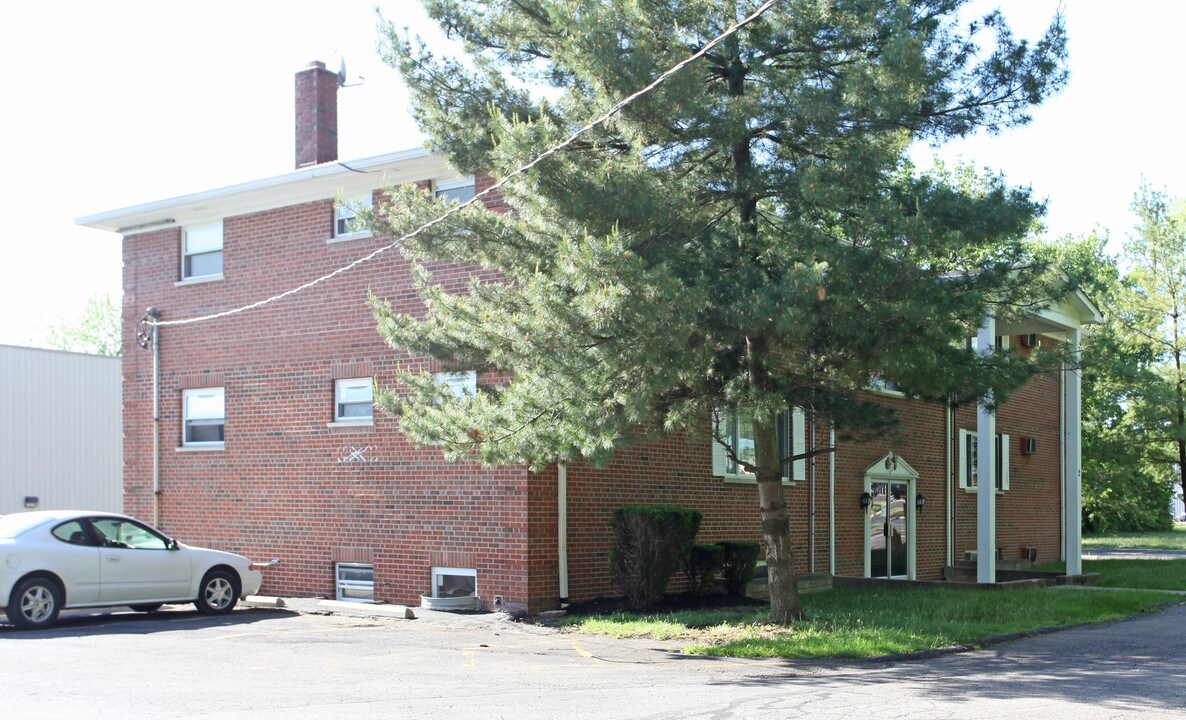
[{"x": 888, "y": 528}]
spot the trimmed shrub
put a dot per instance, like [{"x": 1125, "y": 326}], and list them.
[
  {"x": 704, "y": 562},
  {"x": 741, "y": 557},
  {"x": 651, "y": 542}
]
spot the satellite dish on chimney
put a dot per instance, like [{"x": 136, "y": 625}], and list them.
[{"x": 342, "y": 77}]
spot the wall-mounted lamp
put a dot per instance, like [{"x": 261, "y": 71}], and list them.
[
  {"x": 31, "y": 501},
  {"x": 919, "y": 502},
  {"x": 866, "y": 501}
]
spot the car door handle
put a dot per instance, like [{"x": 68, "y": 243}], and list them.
[{"x": 112, "y": 558}]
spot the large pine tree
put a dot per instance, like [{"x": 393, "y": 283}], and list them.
[{"x": 746, "y": 238}]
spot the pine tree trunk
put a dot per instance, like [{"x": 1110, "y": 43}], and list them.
[{"x": 785, "y": 606}]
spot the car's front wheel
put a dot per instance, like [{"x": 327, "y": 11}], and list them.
[
  {"x": 218, "y": 593},
  {"x": 35, "y": 603}
]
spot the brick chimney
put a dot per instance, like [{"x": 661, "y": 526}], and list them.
[{"x": 316, "y": 115}]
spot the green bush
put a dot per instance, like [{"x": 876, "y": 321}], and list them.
[
  {"x": 741, "y": 557},
  {"x": 1124, "y": 499},
  {"x": 704, "y": 562},
  {"x": 651, "y": 542}
]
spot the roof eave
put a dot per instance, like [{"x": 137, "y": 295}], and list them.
[{"x": 306, "y": 184}]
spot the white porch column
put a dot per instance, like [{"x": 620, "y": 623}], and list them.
[
  {"x": 1072, "y": 446},
  {"x": 986, "y": 471}
]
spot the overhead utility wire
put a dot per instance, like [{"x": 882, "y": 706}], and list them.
[{"x": 458, "y": 208}]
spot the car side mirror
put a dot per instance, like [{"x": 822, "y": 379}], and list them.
[{"x": 173, "y": 544}]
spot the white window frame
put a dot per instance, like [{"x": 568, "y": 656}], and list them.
[
  {"x": 795, "y": 439},
  {"x": 444, "y": 189},
  {"x": 462, "y": 384},
  {"x": 346, "y": 383},
  {"x": 345, "y": 211},
  {"x": 203, "y": 419},
  {"x": 187, "y": 254},
  {"x": 968, "y": 472},
  {"x": 437, "y": 571},
  {"x": 345, "y": 587},
  {"x": 1001, "y": 342},
  {"x": 882, "y": 386}
]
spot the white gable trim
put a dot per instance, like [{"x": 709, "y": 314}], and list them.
[{"x": 890, "y": 467}]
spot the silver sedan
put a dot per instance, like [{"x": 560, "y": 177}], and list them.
[{"x": 52, "y": 560}]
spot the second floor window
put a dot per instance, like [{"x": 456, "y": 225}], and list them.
[
  {"x": 346, "y": 222},
  {"x": 353, "y": 399},
  {"x": 201, "y": 254},
  {"x": 461, "y": 384},
  {"x": 969, "y": 461},
  {"x": 459, "y": 191},
  {"x": 205, "y": 414}
]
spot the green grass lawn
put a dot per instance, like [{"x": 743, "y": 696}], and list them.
[
  {"x": 1144, "y": 574},
  {"x": 1167, "y": 540},
  {"x": 863, "y": 623}
]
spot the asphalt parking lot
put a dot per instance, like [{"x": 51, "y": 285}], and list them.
[{"x": 275, "y": 663}]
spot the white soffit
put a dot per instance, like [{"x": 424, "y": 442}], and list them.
[
  {"x": 1070, "y": 313},
  {"x": 305, "y": 185}
]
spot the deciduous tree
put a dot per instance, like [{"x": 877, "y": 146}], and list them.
[
  {"x": 1122, "y": 488},
  {"x": 1156, "y": 255},
  {"x": 97, "y": 330}
]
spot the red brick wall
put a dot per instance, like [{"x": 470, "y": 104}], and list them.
[
  {"x": 281, "y": 487},
  {"x": 1028, "y": 514},
  {"x": 677, "y": 471}
]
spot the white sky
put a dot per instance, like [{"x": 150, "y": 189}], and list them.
[{"x": 117, "y": 103}]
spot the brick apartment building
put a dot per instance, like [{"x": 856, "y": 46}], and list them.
[{"x": 267, "y": 443}]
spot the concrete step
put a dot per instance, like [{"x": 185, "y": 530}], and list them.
[{"x": 759, "y": 587}]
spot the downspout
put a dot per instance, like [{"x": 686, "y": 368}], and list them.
[
  {"x": 156, "y": 425},
  {"x": 1062, "y": 463},
  {"x": 986, "y": 463},
  {"x": 811, "y": 498},
  {"x": 148, "y": 336},
  {"x": 832, "y": 498},
  {"x": 950, "y": 500},
  {"x": 562, "y": 530}
]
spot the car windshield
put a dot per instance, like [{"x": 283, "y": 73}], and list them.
[{"x": 17, "y": 523}]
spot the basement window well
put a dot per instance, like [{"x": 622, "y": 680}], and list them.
[
  {"x": 356, "y": 582},
  {"x": 450, "y": 582}
]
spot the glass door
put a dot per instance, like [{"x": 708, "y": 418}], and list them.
[{"x": 888, "y": 526}]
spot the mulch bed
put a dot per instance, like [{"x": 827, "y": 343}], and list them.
[{"x": 670, "y": 603}]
